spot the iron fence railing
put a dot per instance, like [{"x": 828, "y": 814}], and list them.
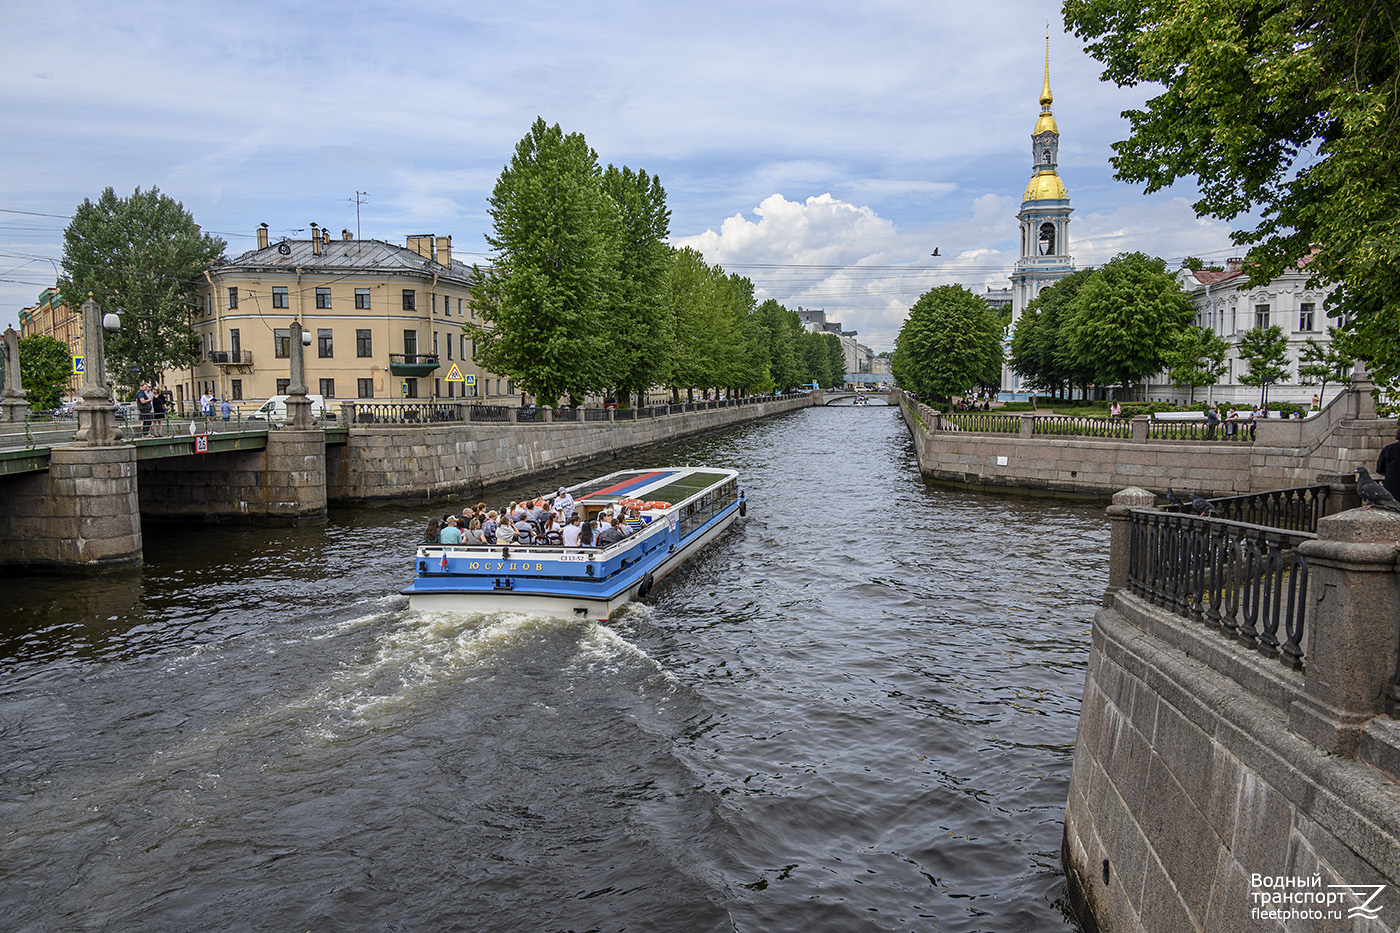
[
  {"x": 1246, "y": 581},
  {"x": 1082, "y": 426},
  {"x": 983, "y": 422},
  {"x": 595, "y": 414},
  {"x": 490, "y": 413},
  {"x": 1294, "y": 509}
]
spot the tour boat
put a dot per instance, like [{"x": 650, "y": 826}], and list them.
[{"x": 682, "y": 509}]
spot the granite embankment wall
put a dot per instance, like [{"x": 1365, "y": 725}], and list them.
[
  {"x": 398, "y": 461},
  {"x": 1345, "y": 435},
  {"x": 1212, "y": 785}
]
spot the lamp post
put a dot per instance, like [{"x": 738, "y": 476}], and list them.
[{"x": 97, "y": 416}]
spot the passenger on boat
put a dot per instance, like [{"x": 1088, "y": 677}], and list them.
[
  {"x": 634, "y": 520},
  {"x": 524, "y": 532},
  {"x": 612, "y": 534},
  {"x": 564, "y": 502},
  {"x": 473, "y": 534},
  {"x": 505, "y": 532},
  {"x": 585, "y": 535},
  {"x": 489, "y": 528},
  {"x": 450, "y": 533},
  {"x": 434, "y": 526},
  {"x": 572, "y": 529}
]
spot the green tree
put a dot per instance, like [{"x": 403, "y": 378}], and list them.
[
  {"x": 143, "y": 256},
  {"x": 1125, "y": 317},
  {"x": 950, "y": 342},
  {"x": 641, "y": 329},
  {"x": 780, "y": 330},
  {"x": 543, "y": 301},
  {"x": 1265, "y": 350},
  {"x": 1039, "y": 352},
  {"x": 1324, "y": 362},
  {"x": 45, "y": 366},
  {"x": 836, "y": 360},
  {"x": 1196, "y": 359},
  {"x": 816, "y": 360},
  {"x": 692, "y": 291},
  {"x": 1287, "y": 112}
]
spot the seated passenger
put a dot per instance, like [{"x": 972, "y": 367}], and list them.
[
  {"x": 612, "y": 534},
  {"x": 572, "y": 531},
  {"x": 585, "y": 535},
  {"x": 431, "y": 536},
  {"x": 450, "y": 533},
  {"x": 473, "y": 533},
  {"x": 634, "y": 520},
  {"x": 505, "y": 532},
  {"x": 524, "y": 532},
  {"x": 489, "y": 527}
]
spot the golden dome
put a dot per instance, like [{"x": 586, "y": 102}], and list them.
[
  {"x": 1046, "y": 124},
  {"x": 1046, "y": 186}
]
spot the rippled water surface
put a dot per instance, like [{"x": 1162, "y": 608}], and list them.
[{"x": 853, "y": 712}]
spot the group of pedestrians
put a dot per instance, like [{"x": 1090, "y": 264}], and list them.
[
  {"x": 557, "y": 522},
  {"x": 152, "y": 404},
  {"x": 1230, "y": 419},
  {"x": 206, "y": 406}
]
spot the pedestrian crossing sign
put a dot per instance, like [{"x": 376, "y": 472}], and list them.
[
  {"x": 454, "y": 374},
  {"x": 79, "y": 365}
]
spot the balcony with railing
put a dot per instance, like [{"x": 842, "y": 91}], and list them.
[
  {"x": 231, "y": 357},
  {"x": 413, "y": 364}
]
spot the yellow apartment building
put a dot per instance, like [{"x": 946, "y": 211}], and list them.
[
  {"x": 385, "y": 322},
  {"x": 50, "y": 317}
]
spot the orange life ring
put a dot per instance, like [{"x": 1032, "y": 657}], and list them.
[
  {"x": 632, "y": 504},
  {"x": 658, "y": 504}
]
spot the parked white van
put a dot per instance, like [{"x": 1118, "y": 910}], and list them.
[{"x": 274, "y": 410}]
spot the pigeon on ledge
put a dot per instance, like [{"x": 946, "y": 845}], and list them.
[
  {"x": 1203, "y": 505},
  {"x": 1172, "y": 497},
  {"x": 1373, "y": 493}
]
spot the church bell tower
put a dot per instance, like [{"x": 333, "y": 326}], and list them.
[{"x": 1044, "y": 218}]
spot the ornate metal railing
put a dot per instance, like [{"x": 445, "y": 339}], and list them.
[
  {"x": 983, "y": 422},
  {"x": 1295, "y": 509},
  {"x": 1246, "y": 581},
  {"x": 490, "y": 413},
  {"x": 1198, "y": 431},
  {"x": 595, "y": 414},
  {"x": 1082, "y": 426},
  {"x": 405, "y": 412},
  {"x": 529, "y": 415}
]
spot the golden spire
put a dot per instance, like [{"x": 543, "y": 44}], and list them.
[{"x": 1046, "y": 98}]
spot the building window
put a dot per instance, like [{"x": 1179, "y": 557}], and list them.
[
  {"x": 235, "y": 346},
  {"x": 232, "y": 298},
  {"x": 449, "y": 346},
  {"x": 235, "y": 390},
  {"x": 324, "y": 347},
  {"x": 282, "y": 386},
  {"x": 365, "y": 388},
  {"x": 323, "y": 297},
  {"x": 435, "y": 343},
  {"x": 410, "y": 343},
  {"x": 328, "y": 388},
  {"x": 362, "y": 299},
  {"x": 410, "y": 300},
  {"x": 282, "y": 343},
  {"x": 459, "y": 307},
  {"x": 1305, "y": 317},
  {"x": 364, "y": 343},
  {"x": 1261, "y": 315},
  {"x": 279, "y": 296},
  {"x": 410, "y": 388}
]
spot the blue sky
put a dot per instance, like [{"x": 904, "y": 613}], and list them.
[{"x": 821, "y": 149}]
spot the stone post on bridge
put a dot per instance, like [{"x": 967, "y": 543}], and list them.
[
  {"x": 1354, "y": 616},
  {"x": 296, "y": 453},
  {"x": 13, "y": 406},
  {"x": 91, "y": 516}
]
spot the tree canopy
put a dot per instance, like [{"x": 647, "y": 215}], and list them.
[
  {"x": 1126, "y": 316},
  {"x": 45, "y": 366},
  {"x": 950, "y": 342},
  {"x": 1039, "y": 352},
  {"x": 1265, "y": 352},
  {"x": 1196, "y": 358},
  {"x": 143, "y": 256},
  {"x": 1285, "y": 111}
]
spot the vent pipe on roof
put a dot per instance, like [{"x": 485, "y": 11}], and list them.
[{"x": 262, "y": 236}]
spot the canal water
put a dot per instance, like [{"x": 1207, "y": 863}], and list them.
[{"x": 853, "y": 712}]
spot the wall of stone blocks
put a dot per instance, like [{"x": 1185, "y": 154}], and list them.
[
  {"x": 383, "y": 462},
  {"x": 285, "y": 483},
  {"x": 1185, "y": 785},
  {"x": 82, "y": 514},
  {"x": 1101, "y": 466}
]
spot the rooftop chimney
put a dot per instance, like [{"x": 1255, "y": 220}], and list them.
[
  {"x": 345, "y": 233},
  {"x": 444, "y": 250},
  {"x": 315, "y": 240},
  {"x": 422, "y": 245},
  {"x": 325, "y": 235},
  {"x": 262, "y": 236},
  {"x": 1234, "y": 264}
]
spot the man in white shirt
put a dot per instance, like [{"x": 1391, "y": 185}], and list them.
[
  {"x": 571, "y": 531},
  {"x": 564, "y": 503}
]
